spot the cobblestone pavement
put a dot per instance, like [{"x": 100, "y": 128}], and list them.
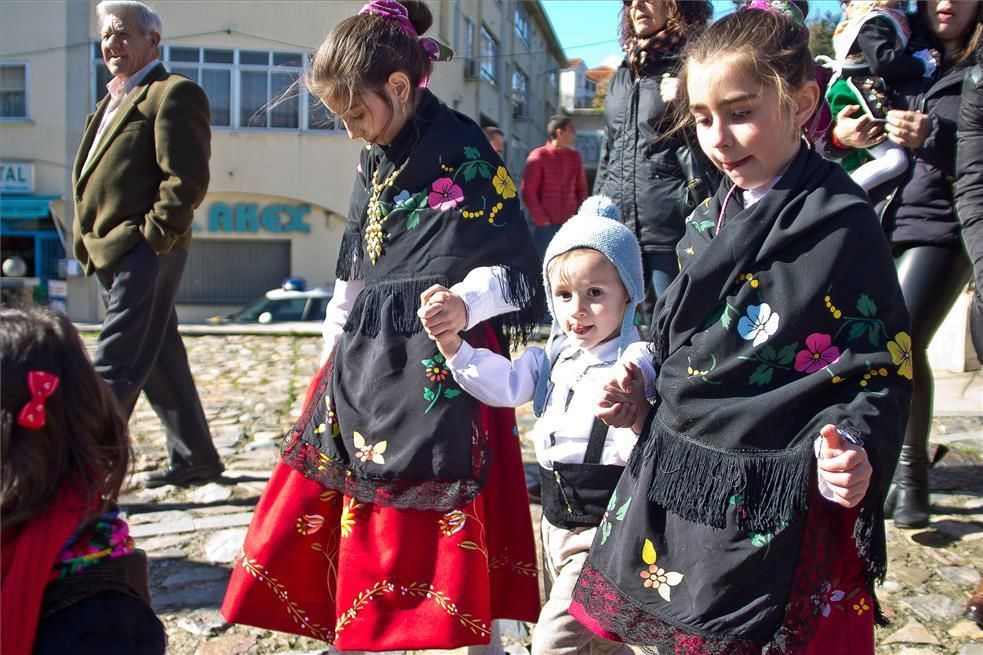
[{"x": 251, "y": 387}]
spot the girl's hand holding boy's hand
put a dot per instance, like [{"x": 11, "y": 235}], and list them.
[
  {"x": 844, "y": 467},
  {"x": 443, "y": 314},
  {"x": 621, "y": 402}
]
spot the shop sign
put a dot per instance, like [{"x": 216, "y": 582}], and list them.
[
  {"x": 249, "y": 217},
  {"x": 16, "y": 177}
]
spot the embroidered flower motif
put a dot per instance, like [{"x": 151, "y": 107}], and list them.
[
  {"x": 452, "y": 522},
  {"x": 655, "y": 576},
  {"x": 437, "y": 373},
  {"x": 309, "y": 523},
  {"x": 503, "y": 183},
  {"x": 759, "y": 324},
  {"x": 825, "y": 597},
  {"x": 817, "y": 355},
  {"x": 900, "y": 350},
  {"x": 348, "y": 518},
  {"x": 444, "y": 194},
  {"x": 401, "y": 198},
  {"x": 861, "y": 606},
  {"x": 369, "y": 452}
]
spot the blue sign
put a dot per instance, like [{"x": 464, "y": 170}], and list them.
[{"x": 248, "y": 217}]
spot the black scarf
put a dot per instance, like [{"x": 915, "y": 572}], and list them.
[
  {"x": 728, "y": 458},
  {"x": 387, "y": 424}
]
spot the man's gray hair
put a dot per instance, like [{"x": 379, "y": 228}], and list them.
[{"x": 148, "y": 19}]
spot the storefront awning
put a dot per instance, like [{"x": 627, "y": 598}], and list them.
[{"x": 27, "y": 207}]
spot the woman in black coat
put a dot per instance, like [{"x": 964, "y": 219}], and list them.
[
  {"x": 654, "y": 179},
  {"x": 919, "y": 219}
]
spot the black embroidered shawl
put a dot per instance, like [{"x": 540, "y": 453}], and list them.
[
  {"x": 388, "y": 425},
  {"x": 788, "y": 319}
]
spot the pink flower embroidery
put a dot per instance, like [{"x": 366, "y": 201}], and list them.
[
  {"x": 445, "y": 194},
  {"x": 818, "y": 354}
]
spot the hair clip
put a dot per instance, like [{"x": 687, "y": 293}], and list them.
[{"x": 41, "y": 384}]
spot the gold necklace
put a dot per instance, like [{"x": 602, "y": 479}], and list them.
[{"x": 375, "y": 235}]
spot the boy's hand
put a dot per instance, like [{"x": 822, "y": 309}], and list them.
[
  {"x": 844, "y": 467},
  {"x": 443, "y": 314},
  {"x": 621, "y": 402}
]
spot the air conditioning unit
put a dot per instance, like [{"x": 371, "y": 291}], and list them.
[{"x": 470, "y": 68}]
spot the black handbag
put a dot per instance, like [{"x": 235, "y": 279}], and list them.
[{"x": 577, "y": 495}]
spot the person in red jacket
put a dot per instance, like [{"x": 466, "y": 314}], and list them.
[{"x": 554, "y": 183}]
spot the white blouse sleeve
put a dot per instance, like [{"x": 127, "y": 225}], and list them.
[
  {"x": 638, "y": 353},
  {"x": 482, "y": 293},
  {"x": 336, "y": 313},
  {"x": 493, "y": 379}
]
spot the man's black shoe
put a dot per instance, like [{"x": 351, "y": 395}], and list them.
[{"x": 184, "y": 475}]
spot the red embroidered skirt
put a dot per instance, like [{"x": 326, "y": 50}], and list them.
[{"x": 364, "y": 577}]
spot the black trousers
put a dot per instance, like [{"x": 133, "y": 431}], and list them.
[
  {"x": 931, "y": 278},
  {"x": 140, "y": 348}
]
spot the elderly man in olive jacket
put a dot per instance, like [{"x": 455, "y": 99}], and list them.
[{"x": 140, "y": 171}]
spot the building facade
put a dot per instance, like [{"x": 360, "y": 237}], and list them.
[{"x": 281, "y": 167}]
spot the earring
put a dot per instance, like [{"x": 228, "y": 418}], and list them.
[{"x": 403, "y": 108}]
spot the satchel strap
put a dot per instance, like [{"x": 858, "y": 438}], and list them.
[{"x": 595, "y": 446}]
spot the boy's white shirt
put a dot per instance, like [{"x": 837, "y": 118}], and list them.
[
  {"x": 481, "y": 291},
  {"x": 562, "y": 432}
]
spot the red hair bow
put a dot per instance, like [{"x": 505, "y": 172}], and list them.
[{"x": 41, "y": 384}]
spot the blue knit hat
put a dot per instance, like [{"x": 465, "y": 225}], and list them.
[{"x": 596, "y": 225}]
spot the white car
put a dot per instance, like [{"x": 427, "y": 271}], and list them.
[{"x": 291, "y": 302}]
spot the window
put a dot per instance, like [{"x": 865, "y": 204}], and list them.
[
  {"x": 522, "y": 26},
  {"x": 470, "y": 65},
  {"x": 488, "y": 70},
  {"x": 245, "y": 88},
  {"x": 520, "y": 93},
  {"x": 13, "y": 91}
]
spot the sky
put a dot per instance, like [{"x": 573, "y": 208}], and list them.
[{"x": 588, "y": 29}]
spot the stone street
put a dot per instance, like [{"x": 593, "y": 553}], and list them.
[{"x": 252, "y": 386}]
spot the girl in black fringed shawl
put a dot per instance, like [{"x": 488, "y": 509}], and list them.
[
  {"x": 398, "y": 516},
  {"x": 746, "y": 522}
]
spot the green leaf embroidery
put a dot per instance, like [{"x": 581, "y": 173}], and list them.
[
  {"x": 471, "y": 152},
  {"x": 768, "y": 353},
  {"x": 412, "y": 220},
  {"x": 438, "y": 358},
  {"x": 623, "y": 510},
  {"x": 874, "y": 335},
  {"x": 485, "y": 170},
  {"x": 703, "y": 226},
  {"x": 452, "y": 393},
  {"x": 760, "y": 539},
  {"x": 605, "y": 532},
  {"x": 866, "y": 306},
  {"x": 427, "y": 362},
  {"x": 787, "y": 354},
  {"x": 428, "y": 393},
  {"x": 725, "y": 319},
  {"x": 469, "y": 545},
  {"x": 612, "y": 501},
  {"x": 716, "y": 315},
  {"x": 762, "y": 375},
  {"x": 469, "y": 173},
  {"x": 856, "y": 330}
]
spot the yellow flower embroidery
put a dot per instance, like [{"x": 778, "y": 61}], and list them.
[
  {"x": 900, "y": 350},
  {"x": 348, "y": 518},
  {"x": 861, "y": 606},
  {"x": 370, "y": 452},
  {"x": 452, "y": 522},
  {"x": 655, "y": 576},
  {"x": 503, "y": 183}
]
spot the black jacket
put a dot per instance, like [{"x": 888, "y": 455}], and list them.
[
  {"x": 920, "y": 210},
  {"x": 969, "y": 172},
  {"x": 643, "y": 171}
]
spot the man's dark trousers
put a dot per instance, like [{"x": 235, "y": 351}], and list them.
[{"x": 140, "y": 348}]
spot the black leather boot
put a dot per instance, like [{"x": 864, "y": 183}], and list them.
[{"x": 910, "y": 499}]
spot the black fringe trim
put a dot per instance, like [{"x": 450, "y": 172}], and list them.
[
  {"x": 696, "y": 482},
  {"x": 870, "y": 540},
  {"x": 349, "y": 265},
  {"x": 519, "y": 289},
  {"x": 525, "y": 291}
]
